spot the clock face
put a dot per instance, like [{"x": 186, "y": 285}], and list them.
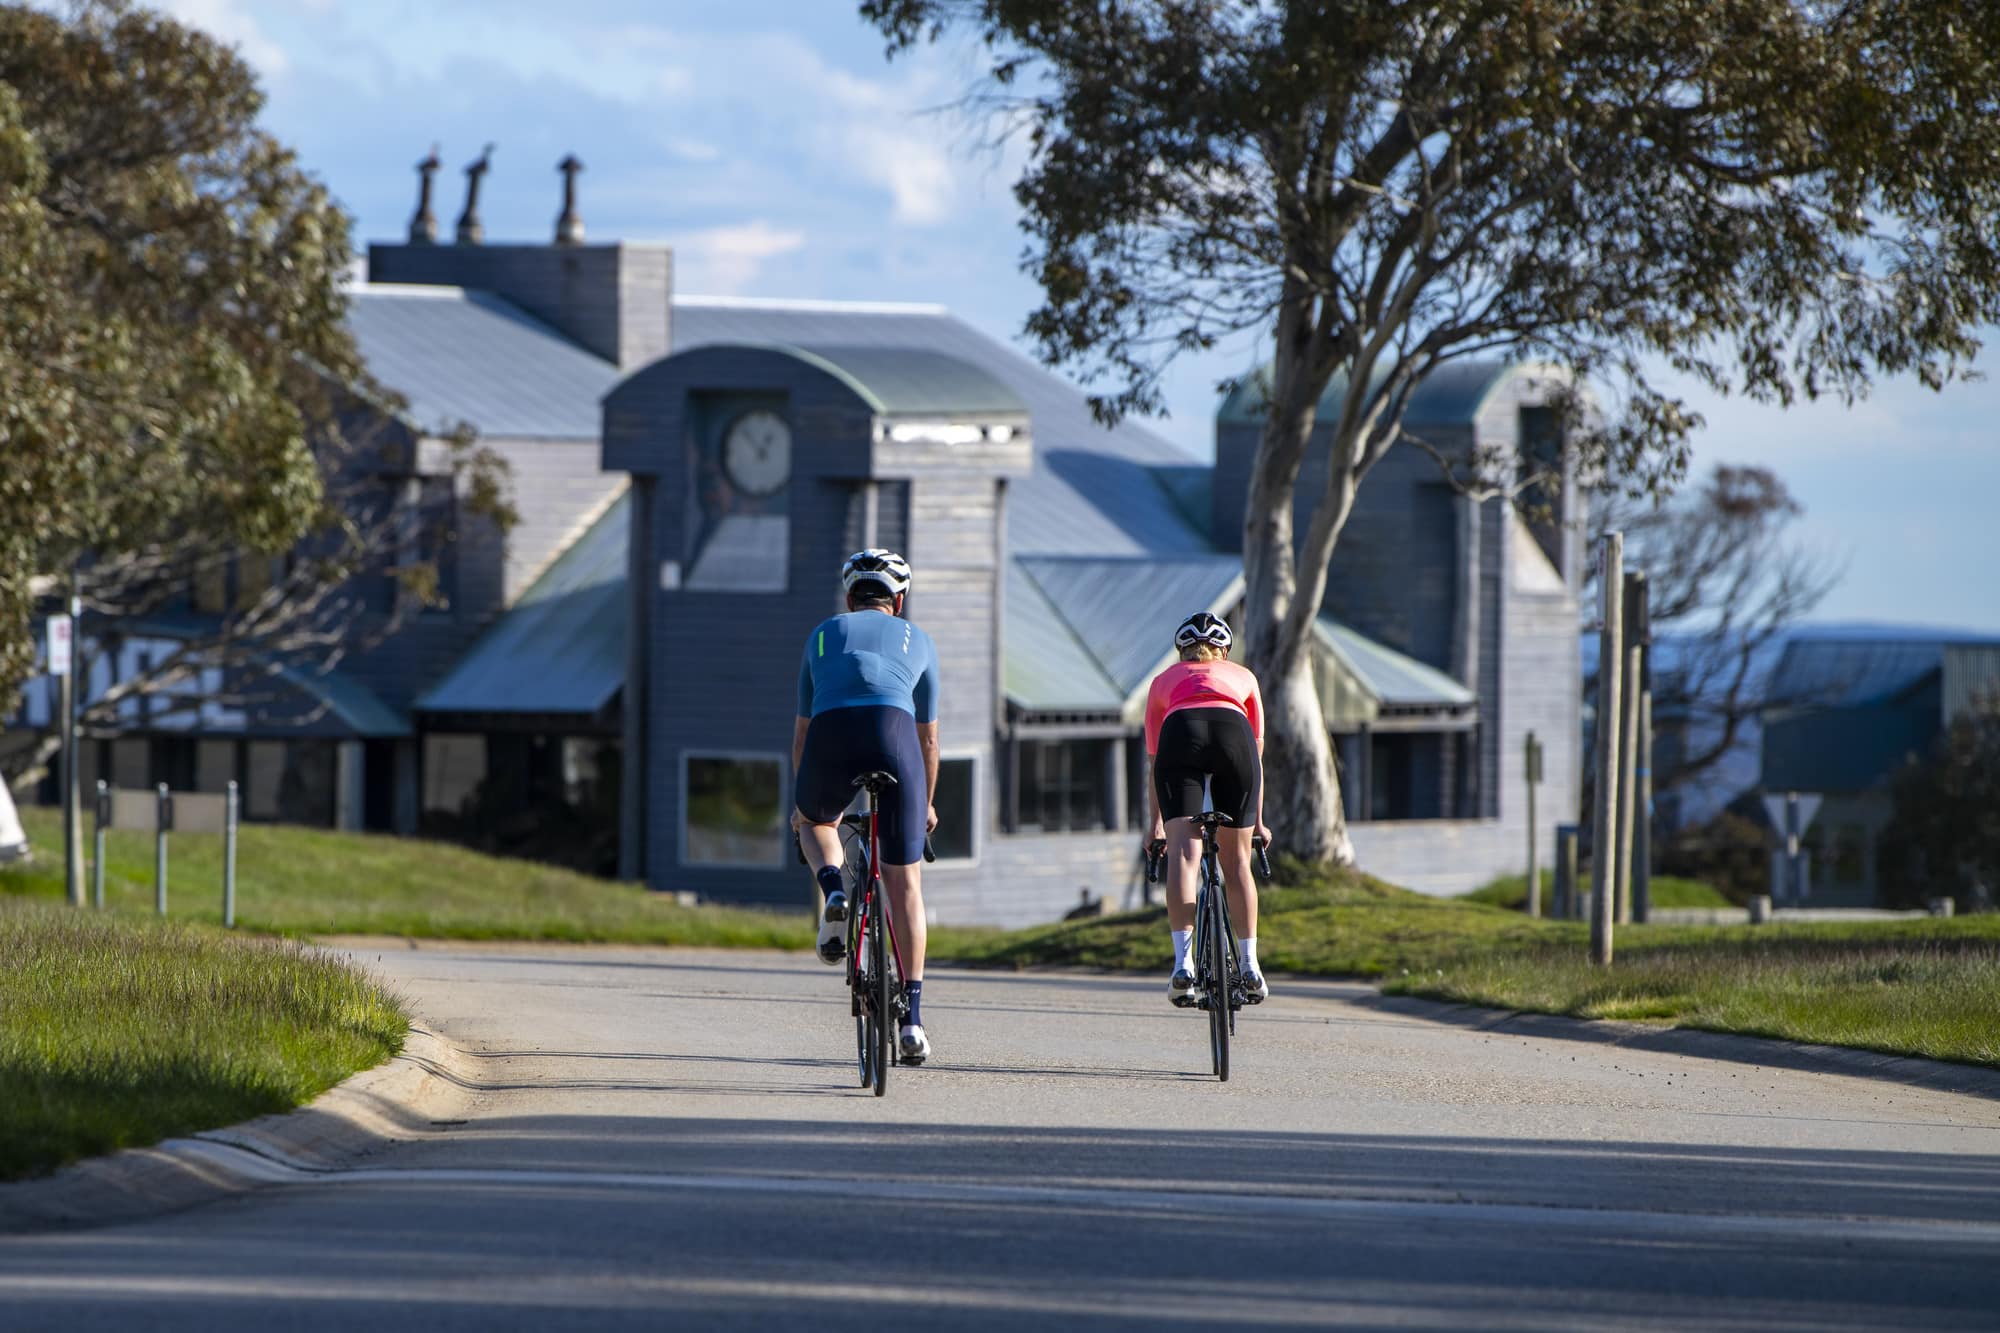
[{"x": 757, "y": 452}]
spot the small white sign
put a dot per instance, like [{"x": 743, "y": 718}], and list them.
[
  {"x": 1774, "y": 806},
  {"x": 670, "y": 575},
  {"x": 59, "y": 645}
]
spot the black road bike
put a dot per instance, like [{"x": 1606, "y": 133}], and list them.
[
  {"x": 874, "y": 960},
  {"x": 1218, "y": 970}
]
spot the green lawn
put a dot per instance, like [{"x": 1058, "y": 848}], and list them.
[
  {"x": 1511, "y": 891},
  {"x": 300, "y": 881},
  {"x": 1920, "y": 987},
  {"x": 117, "y": 1032}
]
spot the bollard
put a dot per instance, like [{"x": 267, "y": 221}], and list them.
[
  {"x": 229, "y": 858},
  {"x": 1565, "y": 885},
  {"x": 162, "y": 822},
  {"x": 97, "y": 844},
  {"x": 1942, "y": 906},
  {"x": 1760, "y": 909}
]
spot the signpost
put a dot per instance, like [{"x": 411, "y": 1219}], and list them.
[
  {"x": 1791, "y": 815},
  {"x": 1604, "y": 823},
  {"x": 62, "y": 662}
]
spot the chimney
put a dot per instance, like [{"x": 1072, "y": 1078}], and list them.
[
  {"x": 569, "y": 227},
  {"x": 424, "y": 226},
  {"x": 470, "y": 231}
]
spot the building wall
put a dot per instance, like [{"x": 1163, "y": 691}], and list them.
[{"x": 1024, "y": 879}]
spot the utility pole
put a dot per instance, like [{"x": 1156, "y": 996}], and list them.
[
  {"x": 1604, "y": 821},
  {"x": 1534, "y": 775}
]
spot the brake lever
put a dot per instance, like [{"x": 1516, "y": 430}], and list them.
[{"x": 1156, "y": 859}]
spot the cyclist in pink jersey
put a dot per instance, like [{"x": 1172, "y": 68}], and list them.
[{"x": 1205, "y": 738}]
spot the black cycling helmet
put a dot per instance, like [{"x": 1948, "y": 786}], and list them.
[{"x": 1201, "y": 627}]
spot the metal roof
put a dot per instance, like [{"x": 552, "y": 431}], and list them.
[
  {"x": 1124, "y": 611},
  {"x": 561, "y": 648},
  {"x": 469, "y": 356},
  {"x": 1853, "y": 748},
  {"x": 1045, "y": 666},
  {"x": 1832, "y": 673},
  {"x": 1089, "y": 492},
  {"x": 915, "y": 381},
  {"x": 1452, "y": 395},
  {"x": 1396, "y": 681},
  {"x": 1971, "y": 678},
  {"x": 350, "y": 702}
]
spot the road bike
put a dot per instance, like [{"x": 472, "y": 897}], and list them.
[
  {"x": 874, "y": 959},
  {"x": 1218, "y": 970}
]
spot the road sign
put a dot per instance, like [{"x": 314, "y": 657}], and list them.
[
  {"x": 1774, "y": 806},
  {"x": 59, "y": 645}
]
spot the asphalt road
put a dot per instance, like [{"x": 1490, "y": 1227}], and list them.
[{"x": 663, "y": 1139}]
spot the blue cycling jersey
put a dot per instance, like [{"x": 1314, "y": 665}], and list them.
[{"x": 869, "y": 657}]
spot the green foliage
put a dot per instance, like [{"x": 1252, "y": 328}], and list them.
[
  {"x": 1730, "y": 851},
  {"x": 1511, "y": 892},
  {"x": 301, "y": 881},
  {"x": 1943, "y": 839},
  {"x": 116, "y": 1033},
  {"x": 169, "y": 276}
]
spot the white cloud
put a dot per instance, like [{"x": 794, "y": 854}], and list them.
[
  {"x": 724, "y": 261},
  {"x": 230, "y": 21}
]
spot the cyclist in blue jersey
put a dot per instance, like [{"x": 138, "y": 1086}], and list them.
[{"x": 868, "y": 701}]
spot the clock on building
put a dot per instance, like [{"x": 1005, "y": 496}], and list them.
[{"x": 757, "y": 452}]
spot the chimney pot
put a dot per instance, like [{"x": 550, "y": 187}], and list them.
[
  {"x": 470, "y": 230},
  {"x": 424, "y": 226},
  {"x": 569, "y": 226}
]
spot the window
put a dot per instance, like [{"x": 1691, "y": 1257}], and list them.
[
  {"x": 1065, "y": 785},
  {"x": 291, "y": 781},
  {"x": 454, "y": 766},
  {"x": 958, "y": 810},
  {"x": 734, "y": 809},
  {"x": 214, "y": 765}
]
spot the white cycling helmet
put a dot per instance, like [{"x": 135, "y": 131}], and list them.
[
  {"x": 1201, "y": 627},
  {"x": 876, "y": 565}
]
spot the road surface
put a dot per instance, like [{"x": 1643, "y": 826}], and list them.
[{"x": 675, "y": 1139}]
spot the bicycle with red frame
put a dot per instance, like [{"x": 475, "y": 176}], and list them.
[{"x": 874, "y": 962}]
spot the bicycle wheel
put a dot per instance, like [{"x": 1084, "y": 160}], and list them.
[
  {"x": 1215, "y": 963},
  {"x": 1232, "y": 966},
  {"x": 857, "y": 990},
  {"x": 881, "y": 990}
]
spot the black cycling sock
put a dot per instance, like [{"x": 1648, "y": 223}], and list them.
[
  {"x": 915, "y": 990},
  {"x": 830, "y": 881}
]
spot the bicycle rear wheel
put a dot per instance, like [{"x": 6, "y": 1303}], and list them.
[
  {"x": 857, "y": 998},
  {"x": 881, "y": 991},
  {"x": 1215, "y": 962}
]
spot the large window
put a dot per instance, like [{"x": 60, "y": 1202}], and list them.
[
  {"x": 454, "y": 766},
  {"x": 735, "y": 810},
  {"x": 958, "y": 810},
  {"x": 291, "y": 782},
  {"x": 1065, "y": 785}
]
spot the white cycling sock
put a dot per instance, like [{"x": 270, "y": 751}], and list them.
[
  {"x": 1183, "y": 949},
  {"x": 1248, "y": 953}
]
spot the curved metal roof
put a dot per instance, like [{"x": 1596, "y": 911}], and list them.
[
  {"x": 904, "y": 381},
  {"x": 1451, "y": 395}
]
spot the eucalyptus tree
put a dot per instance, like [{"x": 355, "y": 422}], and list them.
[
  {"x": 178, "y": 386},
  {"x": 1778, "y": 198}
]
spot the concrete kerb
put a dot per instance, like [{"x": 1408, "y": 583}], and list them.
[
  {"x": 1738, "y": 1048},
  {"x": 397, "y": 1100}
]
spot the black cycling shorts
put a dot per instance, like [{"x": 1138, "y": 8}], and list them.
[
  {"x": 1212, "y": 746},
  {"x": 844, "y": 743}
]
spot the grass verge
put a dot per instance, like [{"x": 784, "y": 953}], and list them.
[
  {"x": 1912, "y": 987},
  {"x": 116, "y": 1032},
  {"x": 302, "y": 881},
  {"x": 1511, "y": 892}
]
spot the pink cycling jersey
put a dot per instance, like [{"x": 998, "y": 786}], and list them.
[{"x": 1220, "y": 684}]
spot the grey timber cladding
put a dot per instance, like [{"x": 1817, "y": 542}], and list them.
[{"x": 469, "y": 356}]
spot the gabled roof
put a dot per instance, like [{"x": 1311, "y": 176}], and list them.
[
  {"x": 1393, "y": 679},
  {"x": 1123, "y": 611},
  {"x": 1045, "y": 666},
  {"x": 468, "y": 356},
  {"x": 1090, "y": 491},
  {"x": 1836, "y": 673},
  {"x": 561, "y": 647}
]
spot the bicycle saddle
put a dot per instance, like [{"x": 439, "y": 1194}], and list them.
[{"x": 877, "y": 781}]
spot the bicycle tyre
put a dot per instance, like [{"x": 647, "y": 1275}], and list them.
[
  {"x": 882, "y": 983},
  {"x": 857, "y": 982},
  {"x": 1216, "y": 964}
]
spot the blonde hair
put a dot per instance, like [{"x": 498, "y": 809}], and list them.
[{"x": 1204, "y": 652}]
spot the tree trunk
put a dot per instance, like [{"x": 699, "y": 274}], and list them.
[{"x": 1301, "y": 787}]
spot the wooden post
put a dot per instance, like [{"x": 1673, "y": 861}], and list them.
[
  {"x": 1604, "y": 820},
  {"x": 1534, "y": 776},
  {"x": 1565, "y": 886},
  {"x": 1642, "y": 831}
]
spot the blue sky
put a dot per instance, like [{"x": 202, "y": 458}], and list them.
[{"x": 770, "y": 143}]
